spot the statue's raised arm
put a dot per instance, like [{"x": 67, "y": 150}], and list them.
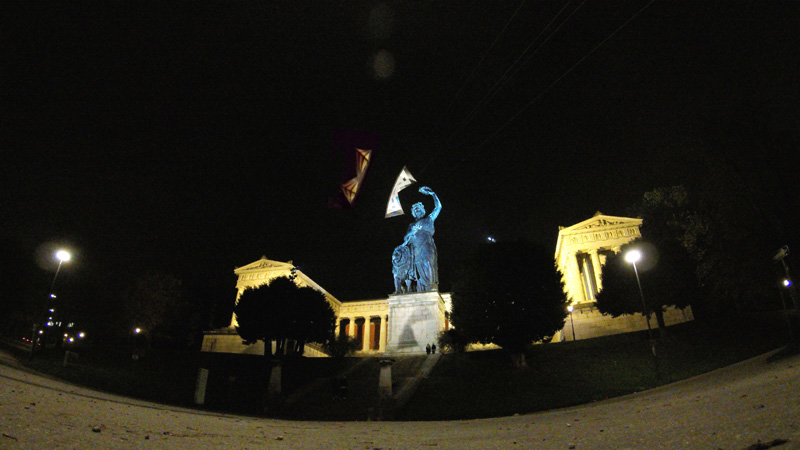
[{"x": 437, "y": 205}]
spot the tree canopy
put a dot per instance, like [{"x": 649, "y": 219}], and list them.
[
  {"x": 721, "y": 232},
  {"x": 666, "y": 275},
  {"x": 282, "y": 311},
  {"x": 667, "y": 272},
  {"x": 156, "y": 302},
  {"x": 734, "y": 251},
  {"x": 511, "y": 296}
]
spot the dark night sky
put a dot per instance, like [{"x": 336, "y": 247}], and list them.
[{"x": 192, "y": 138}]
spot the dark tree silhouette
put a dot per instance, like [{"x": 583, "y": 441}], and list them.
[
  {"x": 511, "y": 296},
  {"x": 669, "y": 281},
  {"x": 742, "y": 233},
  {"x": 286, "y": 315},
  {"x": 313, "y": 319},
  {"x": 282, "y": 311},
  {"x": 668, "y": 274}
]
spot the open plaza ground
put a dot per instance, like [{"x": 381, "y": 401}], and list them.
[{"x": 752, "y": 404}]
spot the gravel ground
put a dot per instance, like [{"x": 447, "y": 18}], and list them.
[{"x": 751, "y": 405}]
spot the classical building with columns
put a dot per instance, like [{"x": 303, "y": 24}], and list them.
[
  {"x": 581, "y": 253},
  {"x": 368, "y": 321},
  {"x": 405, "y": 323}
]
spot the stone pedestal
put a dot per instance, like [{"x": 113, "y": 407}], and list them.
[
  {"x": 200, "y": 386},
  {"x": 385, "y": 380},
  {"x": 415, "y": 320},
  {"x": 274, "y": 393}
]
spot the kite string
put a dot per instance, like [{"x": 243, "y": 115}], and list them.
[
  {"x": 557, "y": 80},
  {"x": 480, "y": 62},
  {"x": 503, "y": 79},
  {"x": 515, "y": 67}
]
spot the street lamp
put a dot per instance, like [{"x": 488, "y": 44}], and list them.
[
  {"x": 791, "y": 319},
  {"x": 62, "y": 256},
  {"x": 570, "y": 308},
  {"x": 632, "y": 257}
]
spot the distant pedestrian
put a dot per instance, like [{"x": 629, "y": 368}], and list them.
[
  {"x": 433, "y": 349},
  {"x": 428, "y": 349}
]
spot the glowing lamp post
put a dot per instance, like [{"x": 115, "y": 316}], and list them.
[
  {"x": 791, "y": 319},
  {"x": 632, "y": 257},
  {"x": 62, "y": 256},
  {"x": 135, "y": 340}
]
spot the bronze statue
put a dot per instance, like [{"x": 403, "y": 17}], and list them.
[{"x": 415, "y": 260}]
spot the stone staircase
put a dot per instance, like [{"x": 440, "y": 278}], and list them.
[
  {"x": 317, "y": 400},
  {"x": 407, "y": 373}
]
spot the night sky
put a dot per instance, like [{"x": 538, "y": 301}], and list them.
[{"x": 194, "y": 137}]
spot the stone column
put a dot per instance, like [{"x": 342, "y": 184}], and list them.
[
  {"x": 367, "y": 335},
  {"x": 573, "y": 279},
  {"x": 377, "y": 334},
  {"x": 597, "y": 269},
  {"x": 384, "y": 334}
]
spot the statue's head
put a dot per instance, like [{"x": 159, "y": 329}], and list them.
[{"x": 418, "y": 210}]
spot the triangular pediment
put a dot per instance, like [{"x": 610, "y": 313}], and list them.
[
  {"x": 598, "y": 228},
  {"x": 262, "y": 264},
  {"x": 600, "y": 221}
]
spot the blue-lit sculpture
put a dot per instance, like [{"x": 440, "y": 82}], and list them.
[{"x": 414, "y": 262}]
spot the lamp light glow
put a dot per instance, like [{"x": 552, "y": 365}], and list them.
[
  {"x": 633, "y": 256},
  {"x": 63, "y": 255}
]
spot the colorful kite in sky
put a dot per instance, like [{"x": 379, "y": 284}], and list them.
[
  {"x": 358, "y": 148},
  {"x": 404, "y": 180}
]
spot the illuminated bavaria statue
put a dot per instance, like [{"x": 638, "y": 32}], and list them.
[{"x": 415, "y": 261}]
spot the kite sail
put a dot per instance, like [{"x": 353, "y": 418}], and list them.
[
  {"x": 358, "y": 148},
  {"x": 405, "y": 179},
  {"x": 350, "y": 187}
]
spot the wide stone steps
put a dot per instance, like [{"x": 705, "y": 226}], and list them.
[{"x": 321, "y": 400}]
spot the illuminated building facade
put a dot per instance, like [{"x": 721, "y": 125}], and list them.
[
  {"x": 367, "y": 321},
  {"x": 581, "y": 253}
]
